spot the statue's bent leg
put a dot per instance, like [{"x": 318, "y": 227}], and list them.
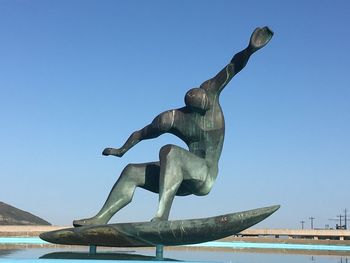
[
  {"x": 181, "y": 173},
  {"x": 134, "y": 175}
]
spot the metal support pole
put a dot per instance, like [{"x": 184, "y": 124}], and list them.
[
  {"x": 92, "y": 250},
  {"x": 159, "y": 252}
]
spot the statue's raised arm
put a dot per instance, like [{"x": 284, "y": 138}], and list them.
[{"x": 259, "y": 38}]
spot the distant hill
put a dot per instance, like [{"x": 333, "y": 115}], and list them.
[{"x": 10, "y": 215}]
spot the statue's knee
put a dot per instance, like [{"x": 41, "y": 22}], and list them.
[
  {"x": 128, "y": 171},
  {"x": 167, "y": 151},
  {"x": 130, "y": 176},
  {"x": 204, "y": 190}
]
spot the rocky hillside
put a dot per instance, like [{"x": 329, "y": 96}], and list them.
[{"x": 10, "y": 215}]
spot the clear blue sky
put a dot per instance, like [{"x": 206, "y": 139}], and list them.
[{"x": 79, "y": 76}]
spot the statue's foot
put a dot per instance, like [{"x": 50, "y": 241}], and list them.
[
  {"x": 158, "y": 219},
  {"x": 89, "y": 221}
]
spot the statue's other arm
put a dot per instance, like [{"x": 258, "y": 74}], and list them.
[
  {"x": 161, "y": 124},
  {"x": 260, "y": 37}
]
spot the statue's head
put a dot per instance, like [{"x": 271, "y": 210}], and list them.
[{"x": 197, "y": 99}]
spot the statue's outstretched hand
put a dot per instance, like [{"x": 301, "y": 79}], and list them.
[
  {"x": 260, "y": 37},
  {"x": 113, "y": 151}
]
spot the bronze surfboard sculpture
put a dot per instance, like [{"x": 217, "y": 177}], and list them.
[{"x": 167, "y": 233}]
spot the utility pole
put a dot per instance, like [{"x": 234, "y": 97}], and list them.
[
  {"x": 342, "y": 218},
  {"x": 340, "y": 221},
  {"x": 312, "y": 221},
  {"x": 345, "y": 218},
  {"x": 302, "y": 224}
]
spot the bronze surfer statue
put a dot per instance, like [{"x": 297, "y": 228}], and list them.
[{"x": 200, "y": 124}]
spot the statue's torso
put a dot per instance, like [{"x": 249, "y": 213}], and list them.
[{"x": 203, "y": 133}]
